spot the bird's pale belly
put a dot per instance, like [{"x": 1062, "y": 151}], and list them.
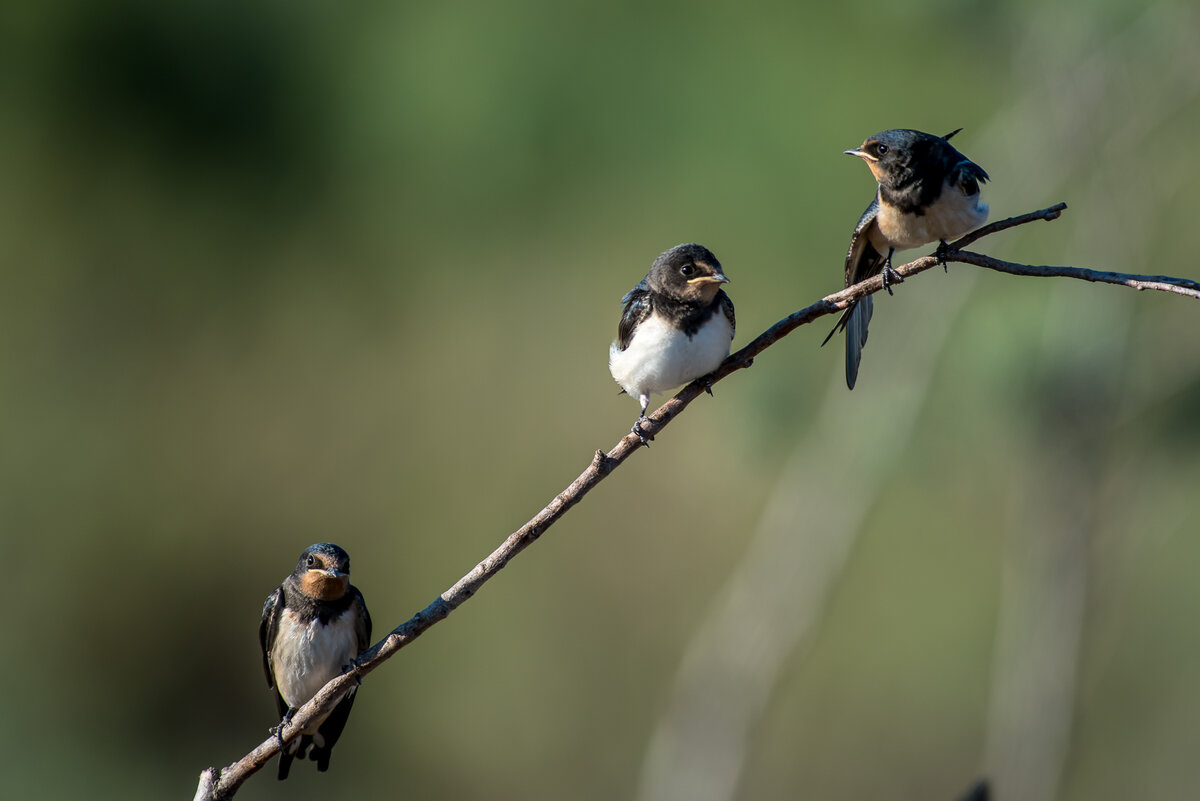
[
  {"x": 661, "y": 357},
  {"x": 953, "y": 215},
  {"x": 307, "y": 655}
]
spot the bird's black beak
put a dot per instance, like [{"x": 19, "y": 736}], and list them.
[
  {"x": 862, "y": 154},
  {"x": 719, "y": 278}
]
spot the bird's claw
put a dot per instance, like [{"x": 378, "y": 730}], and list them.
[
  {"x": 890, "y": 276},
  {"x": 277, "y": 730},
  {"x": 943, "y": 250},
  {"x": 708, "y": 385},
  {"x": 353, "y": 668},
  {"x": 637, "y": 429}
]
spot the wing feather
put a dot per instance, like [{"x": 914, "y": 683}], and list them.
[
  {"x": 362, "y": 621},
  {"x": 967, "y": 176},
  {"x": 637, "y": 308},
  {"x": 268, "y": 628},
  {"x": 862, "y": 262},
  {"x": 727, "y": 308}
]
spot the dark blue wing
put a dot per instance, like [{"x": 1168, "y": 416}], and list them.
[
  {"x": 862, "y": 262},
  {"x": 862, "y": 259},
  {"x": 268, "y": 628},
  {"x": 967, "y": 176},
  {"x": 637, "y": 308},
  {"x": 362, "y": 620},
  {"x": 727, "y": 308}
]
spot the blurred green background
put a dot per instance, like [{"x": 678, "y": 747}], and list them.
[{"x": 288, "y": 272}]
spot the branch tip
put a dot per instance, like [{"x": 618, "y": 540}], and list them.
[{"x": 207, "y": 788}]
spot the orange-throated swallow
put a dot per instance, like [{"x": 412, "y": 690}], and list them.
[
  {"x": 313, "y": 627},
  {"x": 928, "y": 192},
  {"x": 677, "y": 326}
]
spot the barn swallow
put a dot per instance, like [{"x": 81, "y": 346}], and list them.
[
  {"x": 677, "y": 326},
  {"x": 313, "y": 627},
  {"x": 928, "y": 192}
]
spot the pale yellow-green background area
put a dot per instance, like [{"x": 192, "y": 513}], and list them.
[{"x": 277, "y": 273}]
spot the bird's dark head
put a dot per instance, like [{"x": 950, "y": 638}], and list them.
[
  {"x": 323, "y": 572},
  {"x": 687, "y": 272},
  {"x": 895, "y": 154}
]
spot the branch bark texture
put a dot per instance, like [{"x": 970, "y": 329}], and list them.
[{"x": 223, "y": 783}]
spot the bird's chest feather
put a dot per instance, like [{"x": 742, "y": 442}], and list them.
[
  {"x": 949, "y": 217},
  {"x": 661, "y": 356},
  {"x": 307, "y": 654}
]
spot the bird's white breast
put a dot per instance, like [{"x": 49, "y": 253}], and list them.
[
  {"x": 951, "y": 216},
  {"x": 661, "y": 357},
  {"x": 307, "y": 655}
]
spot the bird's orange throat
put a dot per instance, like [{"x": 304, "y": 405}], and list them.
[{"x": 319, "y": 584}]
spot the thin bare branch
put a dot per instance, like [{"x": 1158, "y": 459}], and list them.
[
  {"x": 222, "y": 784},
  {"x": 1162, "y": 283},
  {"x": 1048, "y": 213}
]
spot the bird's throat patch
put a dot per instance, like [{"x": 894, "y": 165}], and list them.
[{"x": 319, "y": 584}]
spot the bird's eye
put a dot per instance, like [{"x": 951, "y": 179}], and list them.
[
  {"x": 881, "y": 148},
  {"x": 311, "y": 561},
  {"x": 687, "y": 269}
]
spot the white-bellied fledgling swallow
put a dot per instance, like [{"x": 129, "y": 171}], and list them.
[
  {"x": 928, "y": 192},
  {"x": 313, "y": 627},
  {"x": 677, "y": 326}
]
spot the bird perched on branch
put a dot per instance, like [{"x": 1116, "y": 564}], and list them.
[
  {"x": 677, "y": 326},
  {"x": 313, "y": 627},
  {"x": 928, "y": 192}
]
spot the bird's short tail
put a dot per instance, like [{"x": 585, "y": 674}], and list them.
[
  {"x": 321, "y": 757},
  {"x": 294, "y": 750}
]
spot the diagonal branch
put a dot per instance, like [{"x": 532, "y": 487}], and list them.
[{"x": 223, "y": 783}]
